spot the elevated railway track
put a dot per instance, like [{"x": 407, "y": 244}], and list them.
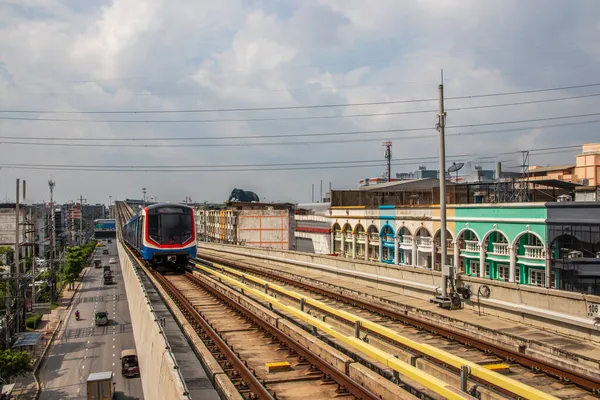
[
  {"x": 247, "y": 349},
  {"x": 523, "y": 377}
]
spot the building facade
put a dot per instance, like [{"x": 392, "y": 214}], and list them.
[
  {"x": 543, "y": 244},
  {"x": 250, "y": 224}
]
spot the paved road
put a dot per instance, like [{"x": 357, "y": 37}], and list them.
[{"x": 82, "y": 348}]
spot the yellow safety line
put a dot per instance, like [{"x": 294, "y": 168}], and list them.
[
  {"x": 428, "y": 381},
  {"x": 477, "y": 370}
]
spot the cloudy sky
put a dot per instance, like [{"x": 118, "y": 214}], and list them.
[{"x": 248, "y": 69}]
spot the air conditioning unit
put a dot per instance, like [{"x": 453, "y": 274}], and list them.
[
  {"x": 584, "y": 181},
  {"x": 575, "y": 254}
]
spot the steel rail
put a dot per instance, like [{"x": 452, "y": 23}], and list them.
[
  {"x": 349, "y": 384},
  {"x": 586, "y": 382},
  {"x": 246, "y": 374},
  {"x": 428, "y": 381}
]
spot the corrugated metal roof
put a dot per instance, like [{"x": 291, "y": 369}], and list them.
[
  {"x": 551, "y": 168},
  {"x": 412, "y": 184}
]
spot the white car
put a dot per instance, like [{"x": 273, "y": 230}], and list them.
[{"x": 112, "y": 260}]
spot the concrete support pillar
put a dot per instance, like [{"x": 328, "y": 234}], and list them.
[
  {"x": 380, "y": 248},
  {"x": 433, "y": 256},
  {"x": 353, "y": 245},
  {"x": 548, "y": 269},
  {"x": 366, "y": 248},
  {"x": 343, "y": 249},
  {"x": 513, "y": 263},
  {"x": 482, "y": 261},
  {"x": 414, "y": 251},
  {"x": 456, "y": 256},
  {"x": 396, "y": 252}
]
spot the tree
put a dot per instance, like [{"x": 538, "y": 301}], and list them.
[
  {"x": 14, "y": 363},
  {"x": 4, "y": 250}
]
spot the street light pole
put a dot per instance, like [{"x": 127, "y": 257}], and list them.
[{"x": 144, "y": 191}]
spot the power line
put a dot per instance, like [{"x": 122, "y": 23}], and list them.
[
  {"x": 221, "y": 120},
  {"x": 313, "y": 106},
  {"x": 266, "y": 167},
  {"x": 47, "y": 140}
]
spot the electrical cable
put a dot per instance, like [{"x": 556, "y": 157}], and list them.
[{"x": 298, "y": 107}]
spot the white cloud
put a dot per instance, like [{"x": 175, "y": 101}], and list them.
[{"x": 128, "y": 55}]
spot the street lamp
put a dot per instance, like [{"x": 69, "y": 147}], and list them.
[{"x": 144, "y": 191}]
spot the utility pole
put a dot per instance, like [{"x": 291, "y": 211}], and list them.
[
  {"x": 321, "y": 195},
  {"x": 17, "y": 260},
  {"x": 313, "y": 193},
  {"x": 32, "y": 218},
  {"x": 81, "y": 219},
  {"x": 447, "y": 271},
  {"x": 51, "y": 185}
]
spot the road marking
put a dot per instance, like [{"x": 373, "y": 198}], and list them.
[
  {"x": 78, "y": 389},
  {"x": 114, "y": 339},
  {"x": 83, "y": 366},
  {"x": 113, "y": 346},
  {"x": 113, "y": 364},
  {"x": 113, "y": 354},
  {"x": 88, "y": 341},
  {"x": 86, "y": 349}
]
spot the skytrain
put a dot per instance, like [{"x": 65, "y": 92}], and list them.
[{"x": 163, "y": 235}]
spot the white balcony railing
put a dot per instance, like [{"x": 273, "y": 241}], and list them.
[
  {"x": 472, "y": 245},
  {"x": 424, "y": 242},
  {"x": 536, "y": 252},
  {"x": 449, "y": 244},
  {"x": 374, "y": 237},
  {"x": 360, "y": 237},
  {"x": 406, "y": 239},
  {"x": 337, "y": 235},
  {"x": 348, "y": 237},
  {"x": 500, "y": 249}
]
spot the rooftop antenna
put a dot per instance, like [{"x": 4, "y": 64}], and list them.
[
  {"x": 388, "y": 157},
  {"x": 455, "y": 168}
]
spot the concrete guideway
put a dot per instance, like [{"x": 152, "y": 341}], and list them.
[
  {"x": 387, "y": 359},
  {"x": 475, "y": 370},
  {"x": 172, "y": 369},
  {"x": 81, "y": 348},
  {"x": 565, "y": 322},
  {"x": 563, "y": 348}
]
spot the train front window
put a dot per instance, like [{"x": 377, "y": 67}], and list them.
[{"x": 170, "y": 225}]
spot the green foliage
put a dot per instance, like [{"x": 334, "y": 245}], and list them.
[
  {"x": 4, "y": 250},
  {"x": 77, "y": 257},
  {"x": 33, "y": 321},
  {"x": 14, "y": 363}
]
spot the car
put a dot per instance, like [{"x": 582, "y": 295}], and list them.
[
  {"x": 100, "y": 244},
  {"x": 129, "y": 363},
  {"x": 101, "y": 318},
  {"x": 109, "y": 241},
  {"x": 105, "y": 251},
  {"x": 97, "y": 263},
  {"x": 108, "y": 279},
  {"x": 106, "y": 268},
  {"x": 112, "y": 260}
]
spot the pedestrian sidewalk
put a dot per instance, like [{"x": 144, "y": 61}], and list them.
[{"x": 26, "y": 387}]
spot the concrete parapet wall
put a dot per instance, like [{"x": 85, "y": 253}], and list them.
[
  {"x": 160, "y": 379},
  {"x": 556, "y": 310}
]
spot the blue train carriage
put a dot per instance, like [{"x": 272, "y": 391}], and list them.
[{"x": 163, "y": 234}]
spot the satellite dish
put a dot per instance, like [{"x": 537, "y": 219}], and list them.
[{"x": 456, "y": 167}]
